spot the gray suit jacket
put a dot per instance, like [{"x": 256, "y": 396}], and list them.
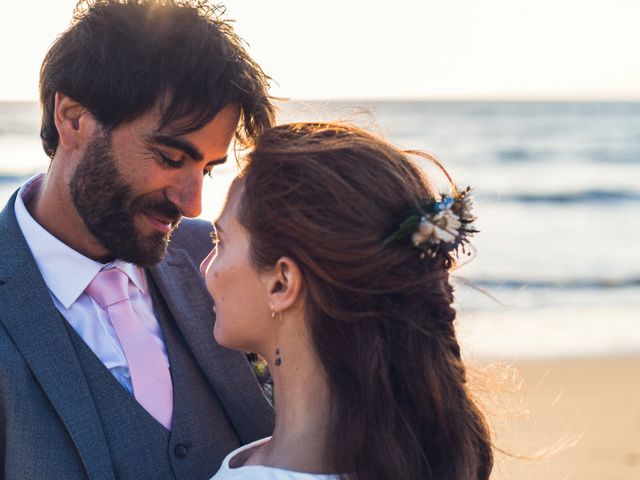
[{"x": 48, "y": 421}]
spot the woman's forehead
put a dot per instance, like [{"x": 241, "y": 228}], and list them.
[{"x": 231, "y": 203}]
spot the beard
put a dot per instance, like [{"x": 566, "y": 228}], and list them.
[{"x": 106, "y": 204}]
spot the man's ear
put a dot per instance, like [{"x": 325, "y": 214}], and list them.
[
  {"x": 284, "y": 284},
  {"x": 73, "y": 122}
]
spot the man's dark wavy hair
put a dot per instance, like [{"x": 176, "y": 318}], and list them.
[{"x": 119, "y": 58}]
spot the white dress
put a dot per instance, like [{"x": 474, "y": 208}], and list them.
[{"x": 260, "y": 472}]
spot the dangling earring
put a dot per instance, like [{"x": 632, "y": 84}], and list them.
[{"x": 277, "y": 318}]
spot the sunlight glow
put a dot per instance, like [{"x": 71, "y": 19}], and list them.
[{"x": 405, "y": 49}]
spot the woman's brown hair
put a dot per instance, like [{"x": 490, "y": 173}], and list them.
[{"x": 380, "y": 317}]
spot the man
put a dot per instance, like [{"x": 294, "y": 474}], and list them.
[{"x": 108, "y": 367}]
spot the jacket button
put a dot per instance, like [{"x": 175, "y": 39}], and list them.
[{"x": 180, "y": 450}]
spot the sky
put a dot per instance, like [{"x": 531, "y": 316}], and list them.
[{"x": 404, "y": 49}]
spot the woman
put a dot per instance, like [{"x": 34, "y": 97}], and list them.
[{"x": 331, "y": 261}]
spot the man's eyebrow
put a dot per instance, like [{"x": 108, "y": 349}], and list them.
[
  {"x": 179, "y": 144},
  {"x": 219, "y": 161}
]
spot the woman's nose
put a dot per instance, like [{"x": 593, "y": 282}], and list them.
[{"x": 204, "y": 266}]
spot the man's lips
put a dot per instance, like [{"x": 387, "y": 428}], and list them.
[{"x": 159, "y": 222}]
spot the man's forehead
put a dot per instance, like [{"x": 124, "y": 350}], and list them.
[
  {"x": 155, "y": 121},
  {"x": 210, "y": 141},
  {"x": 169, "y": 122}
]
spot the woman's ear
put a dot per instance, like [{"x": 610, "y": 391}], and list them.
[
  {"x": 73, "y": 122},
  {"x": 284, "y": 284}
]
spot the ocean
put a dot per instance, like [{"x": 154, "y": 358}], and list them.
[{"x": 557, "y": 187}]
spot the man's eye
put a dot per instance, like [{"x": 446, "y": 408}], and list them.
[{"x": 168, "y": 161}]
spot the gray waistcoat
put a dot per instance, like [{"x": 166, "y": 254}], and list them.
[{"x": 139, "y": 446}]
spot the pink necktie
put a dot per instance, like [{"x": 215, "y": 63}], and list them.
[{"x": 150, "y": 375}]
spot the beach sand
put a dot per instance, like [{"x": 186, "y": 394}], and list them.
[{"x": 596, "y": 400}]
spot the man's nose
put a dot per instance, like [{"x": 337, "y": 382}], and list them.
[{"x": 186, "y": 194}]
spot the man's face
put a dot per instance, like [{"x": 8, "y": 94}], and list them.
[{"x": 134, "y": 184}]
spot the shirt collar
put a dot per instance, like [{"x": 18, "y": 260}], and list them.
[{"x": 66, "y": 272}]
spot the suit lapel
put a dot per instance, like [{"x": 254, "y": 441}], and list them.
[
  {"x": 36, "y": 327},
  {"x": 228, "y": 371}
]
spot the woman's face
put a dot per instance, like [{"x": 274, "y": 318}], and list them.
[{"x": 243, "y": 316}]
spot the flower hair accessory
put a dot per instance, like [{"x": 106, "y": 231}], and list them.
[{"x": 439, "y": 225}]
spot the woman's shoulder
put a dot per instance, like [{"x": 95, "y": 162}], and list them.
[{"x": 247, "y": 472}]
